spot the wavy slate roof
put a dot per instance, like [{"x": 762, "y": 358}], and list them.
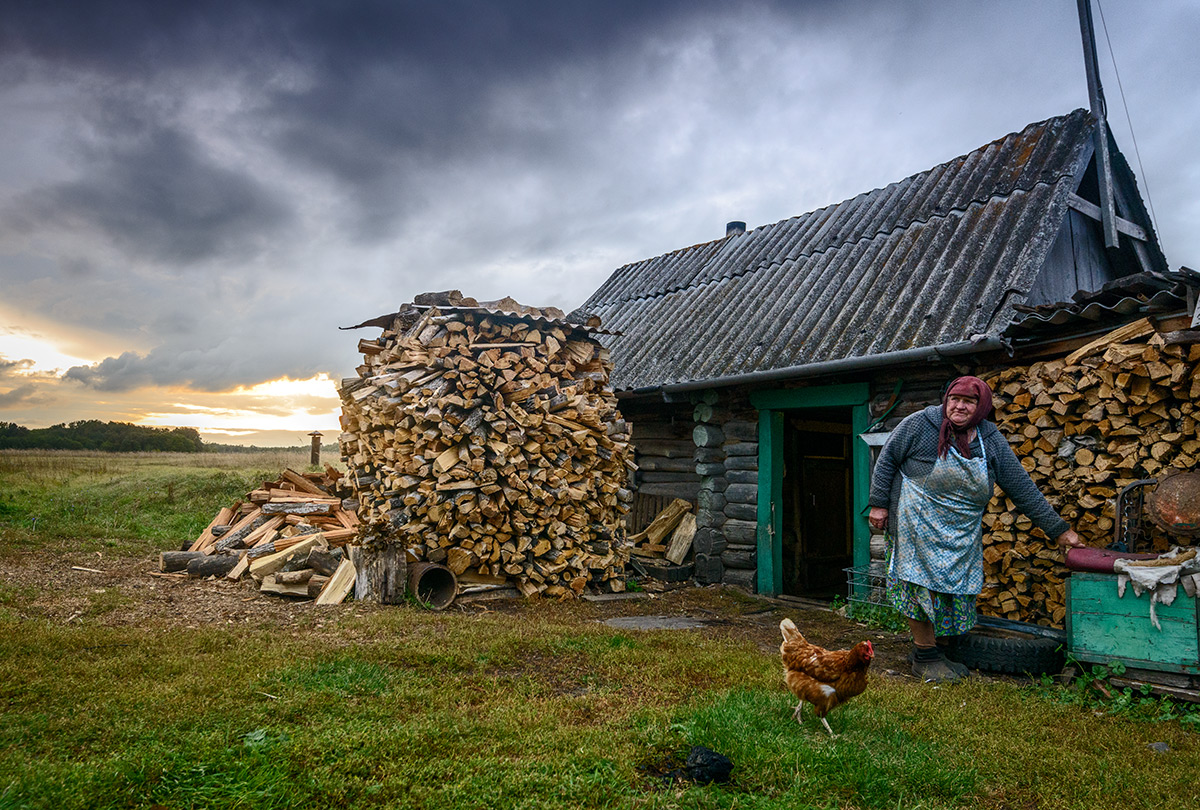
[{"x": 933, "y": 259}]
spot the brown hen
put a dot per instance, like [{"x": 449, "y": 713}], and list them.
[{"x": 824, "y": 678}]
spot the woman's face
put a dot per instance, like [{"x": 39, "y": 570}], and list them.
[{"x": 960, "y": 408}]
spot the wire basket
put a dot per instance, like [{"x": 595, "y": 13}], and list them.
[
  {"x": 867, "y": 584},
  {"x": 866, "y": 596}
]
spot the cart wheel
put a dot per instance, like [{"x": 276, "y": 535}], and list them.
[{"x": 996, "y": 649}]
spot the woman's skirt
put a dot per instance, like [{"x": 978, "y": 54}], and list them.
[{"x": 951, "y": 613}]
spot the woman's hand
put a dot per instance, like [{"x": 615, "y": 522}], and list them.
[
  {"x": 1069, "y": 540},
  {"x": 877, "y": 517}
]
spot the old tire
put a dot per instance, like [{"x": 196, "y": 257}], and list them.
[
  {"x": 1001, "y": 649},
  {"x": 666, "y": 572}
]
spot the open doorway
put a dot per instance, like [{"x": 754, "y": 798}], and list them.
[{"x": 817, "y": 538}]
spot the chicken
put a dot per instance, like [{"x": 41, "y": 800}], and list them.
[{"x": 824, "y": 678}]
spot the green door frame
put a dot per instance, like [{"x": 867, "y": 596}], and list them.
[{"x": 771, "y": 405}]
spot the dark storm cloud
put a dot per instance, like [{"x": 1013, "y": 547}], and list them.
[
  {"x": 154, "y": 193},
  {"x": 368, "y": 94}
]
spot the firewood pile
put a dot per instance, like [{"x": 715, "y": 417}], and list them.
[
  {"x": 287, "y": 535},
  {"x": 668, "y": 537},
  {"x": 1123, "y": 408},
  {"x": 486, "y": 437}
]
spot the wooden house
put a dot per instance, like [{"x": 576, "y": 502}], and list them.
[{"x": 761, "y": 368}]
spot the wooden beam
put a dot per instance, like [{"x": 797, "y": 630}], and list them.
[
  {"x": 1092, "y": 211},
  {"x": 1108, "y": 212}
]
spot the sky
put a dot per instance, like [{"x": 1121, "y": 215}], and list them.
[{"x": 195, "y": 196}]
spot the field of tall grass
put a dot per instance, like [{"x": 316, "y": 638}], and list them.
[
  {"x": 124, "y": 502},
  {"x": 536, "y": 705}
]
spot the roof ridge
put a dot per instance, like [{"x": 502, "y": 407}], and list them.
[
  {"x": 937, "y": 217},
  {"x": 831, "y": 208}
]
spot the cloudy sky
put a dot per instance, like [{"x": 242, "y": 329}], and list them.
[{"x": 195, "y": 195}]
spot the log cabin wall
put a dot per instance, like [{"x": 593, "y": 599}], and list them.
[
  {"x": 1083, "y": 425},
  {"x": 665, "y": 455}
]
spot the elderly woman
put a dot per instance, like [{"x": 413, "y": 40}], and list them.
[{"x": 932, "y": 483}]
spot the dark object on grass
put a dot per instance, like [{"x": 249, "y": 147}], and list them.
[{"x": 705, "y": 766}]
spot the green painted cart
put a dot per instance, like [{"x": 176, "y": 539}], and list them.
[{"x": 1103, "y": 627}]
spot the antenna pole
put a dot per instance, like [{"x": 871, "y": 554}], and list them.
[{"x": 1108, "y": 213}]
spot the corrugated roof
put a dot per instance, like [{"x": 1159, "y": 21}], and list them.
[
  {"x": 1138, "y": 295},
  {"x": 933, "y": 259}
]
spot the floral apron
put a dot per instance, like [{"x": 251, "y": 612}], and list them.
[{"x": 939, "y": 538}]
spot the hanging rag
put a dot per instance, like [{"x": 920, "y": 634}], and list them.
[{"x": 1160, "y": 577}]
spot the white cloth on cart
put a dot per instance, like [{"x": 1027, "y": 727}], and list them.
[{"x": 1160, "y": 581}]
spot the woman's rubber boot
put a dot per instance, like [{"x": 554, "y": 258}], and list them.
[{"x": 931, "y": 667}]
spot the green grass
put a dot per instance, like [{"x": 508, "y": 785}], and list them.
[
  {"x": 543, "y": 707},
  {"x": 458, "y": 710},
  {"x": 123, "y": 503}
]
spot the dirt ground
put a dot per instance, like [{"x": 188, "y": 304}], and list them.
[{"x": 126, "y": 591}]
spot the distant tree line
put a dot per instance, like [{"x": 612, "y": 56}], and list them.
[{"x": 110, "y": 437}]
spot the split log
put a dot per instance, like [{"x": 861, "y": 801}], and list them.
[
  {"x": 272, "y": 584},
  {"x": 272, "y": 563},
  {"x": 681, "y": 539},
  {"x": 337, "y": 587}
]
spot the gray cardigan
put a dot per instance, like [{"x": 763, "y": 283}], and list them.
[{"x": 912, "y": 450}]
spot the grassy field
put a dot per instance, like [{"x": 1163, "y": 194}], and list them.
[
  {"x": 531, "y": 705},
  {"x": 124, "y": 502}
]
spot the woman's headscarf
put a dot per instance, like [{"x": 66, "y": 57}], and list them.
[{"x": 970, "y": 387}]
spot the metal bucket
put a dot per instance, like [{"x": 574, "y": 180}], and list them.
[{"x": 432, "y": 584}]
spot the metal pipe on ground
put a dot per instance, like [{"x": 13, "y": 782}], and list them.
[{"x": 432, "y": 584}]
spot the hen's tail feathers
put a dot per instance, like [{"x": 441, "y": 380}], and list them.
[{"x": 790, "y": 631}]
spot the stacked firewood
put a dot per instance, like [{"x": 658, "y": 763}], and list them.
[
  {"x": 1123, "y": 408},
  {"x": 286, "y": 534},
  {"x": 487, "y": 438},
  {"x": 668, "y": 536}
]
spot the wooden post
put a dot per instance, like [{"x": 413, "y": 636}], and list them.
[
  {"x": 315, "y": 459},
  {"x": 1104, "y": 177}
]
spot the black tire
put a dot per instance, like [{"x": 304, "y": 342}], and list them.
[
  {"x": 667, "y": 572},
  {"x": 995, "y": 649}
]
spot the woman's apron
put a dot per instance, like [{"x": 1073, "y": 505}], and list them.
[{"x": 939, "y": 536}]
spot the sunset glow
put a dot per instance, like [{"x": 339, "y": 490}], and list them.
[
  {"x": 44, "y": 356},
  {"x": 299, "y": 406}
]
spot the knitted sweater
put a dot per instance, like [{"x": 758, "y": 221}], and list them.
[{"x": 912, "y": 450}]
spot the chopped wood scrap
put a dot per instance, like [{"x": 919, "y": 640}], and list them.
[
  {"x": 271, "y": 584},
  {"x": 665, "y": 522},
  {"x": 222, "y": 519},
  {"x": 1130, "y": 331},
  {"x": 338, "y": 587},
  {"x": 681, "y": 539},
  {"x": 277, "y": 524},
  {"x": 271, "y": 563}
]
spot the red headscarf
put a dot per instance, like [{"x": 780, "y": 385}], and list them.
[{"x": 969, "y": 387}]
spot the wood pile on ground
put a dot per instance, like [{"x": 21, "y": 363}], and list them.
[
  {"x": 287, "y": 535},
  {"x": 663, "y": 546},
  {"x": 486, "y": 437},
  {"x": 1123, "y": 408}
]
